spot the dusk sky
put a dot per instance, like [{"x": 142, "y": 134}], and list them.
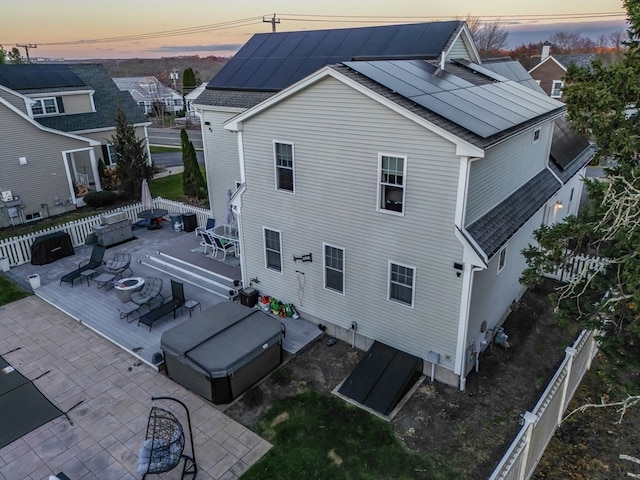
[{"x": 77, "y": 29}]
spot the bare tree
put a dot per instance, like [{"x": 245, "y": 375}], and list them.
[
  {"x": 572, "y": 43},
  {"x": 490, "y": 38},
  {"x": 616, "y": 38}
]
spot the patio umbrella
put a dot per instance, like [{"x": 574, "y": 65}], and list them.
[
  {"x": 147, "y": 200},
  {"x": 230, "y": 217}
]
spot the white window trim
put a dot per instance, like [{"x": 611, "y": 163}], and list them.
[
  {"x": 404, "y": 184},
  {"x": 44, "y": 110},
  {"x": 502, "y": 259},
  {"x": 264, "y": 250},
  {"x": 533, "y": 135},
  {"x": 293, "y": 169},
  {"x": 413, "y": 285},
  {"x": 553, "y": 88},
  {"x": 324, "y": 269}
]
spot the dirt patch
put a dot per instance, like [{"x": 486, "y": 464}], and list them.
[{"x": 475, "y": 426}]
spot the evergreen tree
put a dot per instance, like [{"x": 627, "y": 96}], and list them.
[
  {"x": 131, "y": 157},
  {"x": 603, "y": 102},
  {"x": 193, "y": 183},
  {"x": 188, "y": 81}
]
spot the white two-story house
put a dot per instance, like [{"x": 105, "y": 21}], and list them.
[{"x": 398, "y": 194}]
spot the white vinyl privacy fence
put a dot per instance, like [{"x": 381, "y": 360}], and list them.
[
  {"x": 539, "y": 425},
  {"x": 18, "y": 249},
  {"x": 578, "y": 266}
]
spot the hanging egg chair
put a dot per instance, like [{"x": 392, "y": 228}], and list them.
[{"x": 163, "y": 448}]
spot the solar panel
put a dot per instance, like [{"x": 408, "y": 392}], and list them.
[
  {"x": 477, "y": 68},
  {"x": 32, "y": 77},
  {"x": 482, "y": 109},
  {"x": 254, "y": 66},
  {"x": 566, "y": 144}
]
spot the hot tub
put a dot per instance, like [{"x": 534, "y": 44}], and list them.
[{"x": 222, "y": 351}]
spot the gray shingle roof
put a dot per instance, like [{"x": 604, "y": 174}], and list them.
[
  {"x": 231, "y": 98},
  {"x": 496, "y": 227},
  {"x": 580, "y": 60},
  {"x": 107, "y": 97}
]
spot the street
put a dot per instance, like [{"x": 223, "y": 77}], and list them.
[{"x": 170, "y": 137}]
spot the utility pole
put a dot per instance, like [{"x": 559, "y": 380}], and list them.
[
  {"x": 272, "y": 21},
  {"x": 26, "y": 48}
]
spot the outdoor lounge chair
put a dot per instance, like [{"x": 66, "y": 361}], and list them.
[
  {"x": 207, "y": 242},
  {"x": 95, "y": 261},
  {"x": 223, "y": 247},
  {"x": 151, "y": 290},
  {"x": 211, "y": 222},
  {"x": 176, "y": 301},
  {"x": 117, "y": 265}
]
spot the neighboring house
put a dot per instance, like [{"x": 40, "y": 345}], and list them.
[
  {"x": 550, "y": 72},
  {"x": 148, "y": 92},
  {"x": 270, "y": 62},
  {"x": 191, "y": 97},
  {"x": 57, "y": 122},
  {"x": 410, "y": 187}
]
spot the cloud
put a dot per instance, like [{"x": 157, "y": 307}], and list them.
[{"x": 225, "y": 47}]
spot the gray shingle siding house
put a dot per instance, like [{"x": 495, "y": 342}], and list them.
[
  {"x": 57, "y": 123},
  {"x": 414, "y": 184}
]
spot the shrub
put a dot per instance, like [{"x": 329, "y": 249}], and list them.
[{"x": 101, "y": 199}]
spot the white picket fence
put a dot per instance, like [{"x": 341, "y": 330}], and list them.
[
  {"x": 18, "y": 249},
  {"x": 522, "y": 457},
  {"x": 578, "y": 265}
]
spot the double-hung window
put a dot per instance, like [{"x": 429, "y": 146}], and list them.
[
  {"x": 502, "y": 259},
  {"x": 334, "y": 268},
  {"x": 392, "y": 175},
  {"x": 283, "y": 154},
  {"x": 402, "y": 283},
  {"x": 46, "y": 106},
  {"x": 273, "y": 250},
  {"x": 556, "y": 88}
]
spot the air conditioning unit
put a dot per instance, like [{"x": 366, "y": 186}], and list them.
[{"x": 112, "y": 218}]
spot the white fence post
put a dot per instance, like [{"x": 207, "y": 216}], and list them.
[
  {"x": 529, "y": 420},
  {"x": 570, "y": 353}
]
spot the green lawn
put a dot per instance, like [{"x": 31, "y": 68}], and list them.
[
  {"x": 170, "y": 187},
  {"x": 322, "y": 437},
  {"x": 9, "y": 291}
]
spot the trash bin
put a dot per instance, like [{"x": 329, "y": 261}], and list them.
[
  {"x": 189, "y": 222},
  {"x": 4, "y": 264},
  {"x": 248, "y": 297},
  {"x": 34, "y": 281},
  {"x": 176, "y": 221}
]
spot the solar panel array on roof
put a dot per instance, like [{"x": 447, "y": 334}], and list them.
[
  {"x": 273, "y": 61},
  {"x": 513, "y": 70},
  {"x": 482, "y": 109},
  {"x": 33, "y": 77},
  {"x": 566, "y": 144}
]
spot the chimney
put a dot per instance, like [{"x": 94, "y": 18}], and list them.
[{"x": 546, "y": 50}]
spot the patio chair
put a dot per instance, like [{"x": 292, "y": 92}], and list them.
[
  {"x": 117, "y": 265},
  {"x": 211, "y": 222},
  {"x": 151, "y": 290},
  {"x": 207, "y": 242},
  {"x": 223, "y": 247},
  {"x": 95, "y": 261},
  {"x": 176, "y": 301}
]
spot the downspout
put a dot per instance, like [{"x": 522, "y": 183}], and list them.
[{"x": 243, "y": 264}]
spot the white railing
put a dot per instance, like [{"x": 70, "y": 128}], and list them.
[
  {"x": 18, "y": 249},
  {"x": 522, "y": 457},
  {"x": 578, "y": 265}
]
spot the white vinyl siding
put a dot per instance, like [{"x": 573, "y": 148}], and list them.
[
  {"x": 223, "y": 165},
  {"x": 272, "y": 250},
  {"x": 284, "y": 166},
  {"x": 504, "y": 169},
  {"x": 338, "y": 135},
  {"x": 459, "y": 50},
  {"x": 333, "y": 268}
]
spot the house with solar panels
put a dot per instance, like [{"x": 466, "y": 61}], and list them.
[
  {"x": 389, "y": 199},
  {"x": 57, "y": 123}
]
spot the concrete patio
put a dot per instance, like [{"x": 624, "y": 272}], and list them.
[{"x": 96, "y": 357}]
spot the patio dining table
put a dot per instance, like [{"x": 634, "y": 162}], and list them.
[{"x": 227, "y": 232}]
